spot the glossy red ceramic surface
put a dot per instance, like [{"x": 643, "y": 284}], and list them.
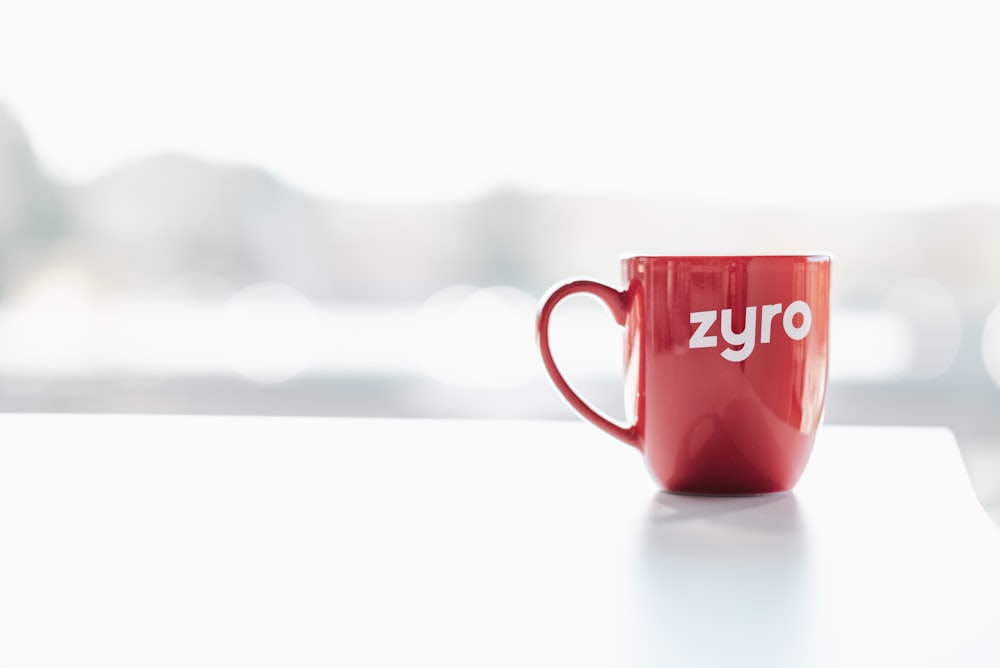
[{"x": 725, "y": 366}]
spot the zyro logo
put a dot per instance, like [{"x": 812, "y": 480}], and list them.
[{"x": 796, "y": 320}]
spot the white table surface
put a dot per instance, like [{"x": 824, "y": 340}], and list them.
[{"x": 232, "y": 541}]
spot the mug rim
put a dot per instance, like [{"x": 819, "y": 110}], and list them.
[{"x": 820, "y": 255}]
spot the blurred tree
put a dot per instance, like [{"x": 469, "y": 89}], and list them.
[
  {"x": 503, "y": 226},
  {"x": 32, "y": 215},
  {"x": 149, "y": 220}
]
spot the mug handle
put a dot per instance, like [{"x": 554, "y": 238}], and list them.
[{"x": 617, "y": 303}]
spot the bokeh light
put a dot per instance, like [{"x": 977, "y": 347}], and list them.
[
  {"x": 935, "y": 320},
  {"x": 270, "y": 332},
  {"x": 991, "y": 345},
  {"x": 46, "y": 329},
  {"x": 870, "y": 346},
  {"x": 472, "y": 337}
]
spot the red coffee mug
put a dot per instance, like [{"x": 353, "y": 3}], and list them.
[{"x": 725, "y": 366}]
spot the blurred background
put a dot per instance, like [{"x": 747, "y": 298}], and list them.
[{"x": 353, "y": 208}]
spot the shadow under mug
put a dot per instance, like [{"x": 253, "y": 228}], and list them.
[{"x": 726, "y": 363}]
